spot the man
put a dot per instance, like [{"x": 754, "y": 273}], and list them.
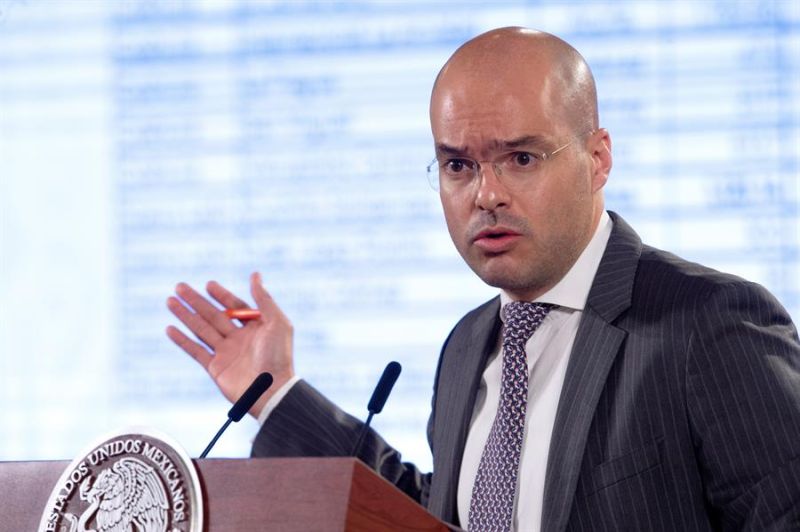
[{"x": 618, "y": 387}]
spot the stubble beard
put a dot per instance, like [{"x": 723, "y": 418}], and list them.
[{"x": 525, "y": 277}]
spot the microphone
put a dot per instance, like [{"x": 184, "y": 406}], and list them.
[
  {"x": 378, "y": 399},
  {"x": 245, "y": 403}
]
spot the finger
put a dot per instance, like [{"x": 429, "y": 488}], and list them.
[
  {"x": 195, "y": 350},
  {"x": 224, "y": 297},
  {"x": 263, "y": 300},
  {"x": 195, "y": 322},
  {"x": 215, "y": 317}
]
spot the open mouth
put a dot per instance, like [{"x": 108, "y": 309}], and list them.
[{"x": 495, "y": 241}]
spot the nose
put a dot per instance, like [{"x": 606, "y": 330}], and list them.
[{"x": 492, "y": 193}]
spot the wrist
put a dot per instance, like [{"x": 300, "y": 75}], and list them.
[
  {"x": 275, "y": 399},
  {"x": 279, "y": 382}
]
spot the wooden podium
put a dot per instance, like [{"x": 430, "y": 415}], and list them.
[{"x": 281, "y": 494}]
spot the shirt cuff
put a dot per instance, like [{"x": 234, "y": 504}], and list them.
[{"x": 275, "y": 399}]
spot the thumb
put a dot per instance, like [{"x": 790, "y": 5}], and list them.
[{"x": 263, "y": 300}]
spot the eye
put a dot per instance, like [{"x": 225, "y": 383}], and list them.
[
  {"x": 457, "y": 166},
  {"x": 524, "y": 158}
]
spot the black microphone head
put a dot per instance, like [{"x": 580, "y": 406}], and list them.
[
  {"x": 384, "y": 387},
  {"x": 250, "y": 396}
]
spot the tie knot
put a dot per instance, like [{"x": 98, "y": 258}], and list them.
[{"x": 522, "y": 319}]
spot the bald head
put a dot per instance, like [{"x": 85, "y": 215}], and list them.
[
  {"x": 519, "y": 59},
  {"x": 502, "y": 107}
]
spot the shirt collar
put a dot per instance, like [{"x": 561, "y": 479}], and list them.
[{"x": 572, "y": 290}]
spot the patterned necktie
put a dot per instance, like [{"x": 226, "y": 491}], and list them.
[{"x": 492, "y": 501}]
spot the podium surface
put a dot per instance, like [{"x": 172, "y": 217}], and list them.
[{"x": 282, "y": 494}]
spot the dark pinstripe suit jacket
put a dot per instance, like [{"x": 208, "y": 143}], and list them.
[{"x": 680, "y": 409}]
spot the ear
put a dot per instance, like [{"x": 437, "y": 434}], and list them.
[{"x": 600, "y": 149}]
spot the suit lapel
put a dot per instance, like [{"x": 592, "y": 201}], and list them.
[
  {"x": 597, "y": 343},
  {"x": 463, "y": 361}
]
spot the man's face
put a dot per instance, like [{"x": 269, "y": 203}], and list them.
[{"x": 522, "y": 236}]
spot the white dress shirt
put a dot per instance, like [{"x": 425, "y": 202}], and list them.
[{"x": 547, "y": 355}]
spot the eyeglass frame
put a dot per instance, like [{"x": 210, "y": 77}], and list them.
[{"x": 496, "y": 166}]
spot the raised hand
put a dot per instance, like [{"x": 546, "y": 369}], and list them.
[{"x": 238, "y": 353}]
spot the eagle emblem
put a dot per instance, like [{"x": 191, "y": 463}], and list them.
[
  {"x": 138, "y": 481},
  {"x": 126, "y": 497}
]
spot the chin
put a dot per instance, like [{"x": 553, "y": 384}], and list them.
[
  {"x": 525, "y": 285},
  {"x": 502, "y": 280}
]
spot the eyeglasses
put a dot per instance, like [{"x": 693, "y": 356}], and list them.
[{"x": 457, "y": 173}]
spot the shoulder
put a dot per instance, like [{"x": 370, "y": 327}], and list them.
[
  {"x": 663, "y": 276},
  {"x": 707, "y": 313},
  {"x": 471, "y": 336},
  {"x": 476, "y": 323},
  {"x": 484, "y": 313},
  {"x": 635, "y": 276}
]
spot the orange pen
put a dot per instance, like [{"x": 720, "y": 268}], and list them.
[{"x": 243, "y": 314}]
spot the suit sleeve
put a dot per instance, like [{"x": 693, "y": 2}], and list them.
[
  {"x": 306, "y": 423},
  {"x": 743, "y": 399}
]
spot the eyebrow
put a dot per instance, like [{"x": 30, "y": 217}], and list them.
[
  {"x": 525, "y": 140},
  {"x": 450, "y": 150}
]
